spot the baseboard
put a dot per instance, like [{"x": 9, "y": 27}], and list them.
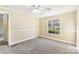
[
  {"x": 11, "y": 44},
  {"x": 67, "y": 42},
  {"x": 14, "y": 43}
]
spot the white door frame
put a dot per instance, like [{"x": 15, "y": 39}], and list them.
[{"x": 77, "y": 29}]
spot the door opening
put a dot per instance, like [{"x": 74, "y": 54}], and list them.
[{"x": 3, "y": 29}]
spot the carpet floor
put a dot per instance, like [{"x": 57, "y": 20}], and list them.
[{"x": 39, "y": 46}]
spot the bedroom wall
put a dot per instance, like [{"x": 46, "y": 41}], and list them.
[
  {"x": 22, "y": 26},
  {"x": 68, "y": 28}
]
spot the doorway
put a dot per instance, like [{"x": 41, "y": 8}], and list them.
[{"x": 3, "y": 29}]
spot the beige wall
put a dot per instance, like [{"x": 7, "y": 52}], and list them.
[
  {"x": 68, "y": 27},
  {"x": 22, "y": 26}
]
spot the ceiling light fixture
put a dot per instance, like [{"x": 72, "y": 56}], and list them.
[{"x": 36, "y": 9}]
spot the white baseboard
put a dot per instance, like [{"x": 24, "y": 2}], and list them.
[
  {"x": 13, "y": 43},
  {"x": 59, "y": 40}
]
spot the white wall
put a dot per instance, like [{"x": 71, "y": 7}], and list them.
[{"x": 77, "y": 41}]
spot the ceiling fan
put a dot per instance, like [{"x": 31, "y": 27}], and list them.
[{"x": 38, "y": 9}]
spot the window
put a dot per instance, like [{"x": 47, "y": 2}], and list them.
[{"x": 54, "y": 26}]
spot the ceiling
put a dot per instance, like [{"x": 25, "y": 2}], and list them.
[{"x": 55, "y": 9}]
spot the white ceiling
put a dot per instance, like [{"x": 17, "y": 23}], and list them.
[{"x": 55, "y": 9}]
